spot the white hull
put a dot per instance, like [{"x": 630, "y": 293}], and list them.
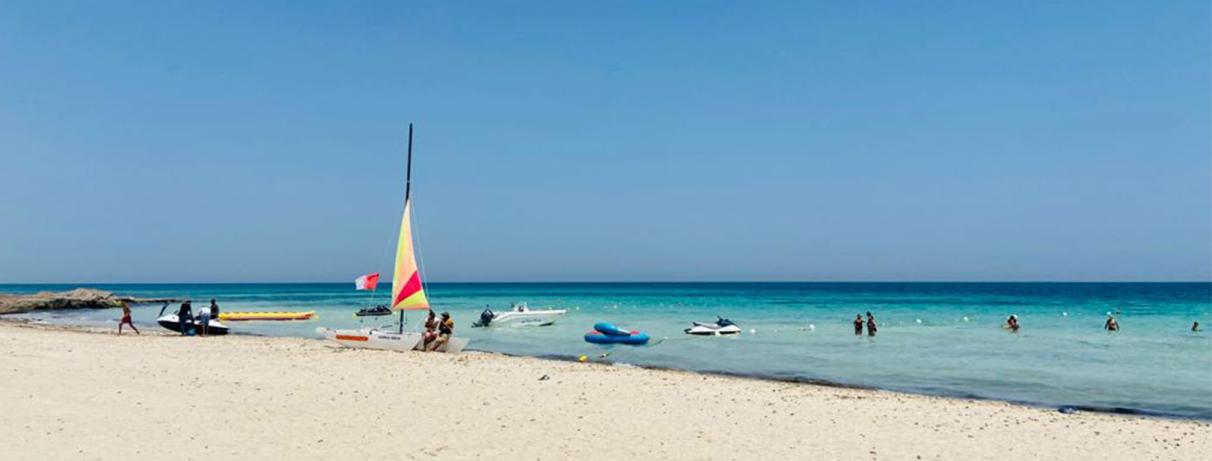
[
  {"x": 526, "y": 319},
  {"x": 711, "y": 329},
  {"x": 387, "y": 340}
]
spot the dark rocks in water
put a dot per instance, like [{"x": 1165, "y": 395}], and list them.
[{"x": 80, "y": 298}]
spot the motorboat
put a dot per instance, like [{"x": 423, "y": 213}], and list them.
[
  {"x": 374, "y": 338},
  {"x": 721, "y": 326},
  {"x": 519, "y": 316},
  {"x": 172, "y": 322}
]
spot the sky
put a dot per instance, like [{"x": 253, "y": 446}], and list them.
[{"x": 606, "y": 141}]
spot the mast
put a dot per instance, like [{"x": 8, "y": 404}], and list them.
[{"x": 407, "y": 191}]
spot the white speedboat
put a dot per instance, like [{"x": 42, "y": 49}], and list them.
[
  {"x": 721, "y": 326},
  {"x": 373, "y": 338},
  {"x": 519, "y": 316},
  {"x": 172, "y": 322}
]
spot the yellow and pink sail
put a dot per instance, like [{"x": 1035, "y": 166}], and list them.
[{"x": 407, "y": 293}]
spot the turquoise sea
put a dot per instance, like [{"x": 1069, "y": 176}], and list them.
[{"x": 934, "y": 338}]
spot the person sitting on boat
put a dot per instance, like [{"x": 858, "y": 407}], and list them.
[
  {"x": 184, "y": 316},
  {"x": 431, "y": 329},
  {"x": 445, "y": 329}
]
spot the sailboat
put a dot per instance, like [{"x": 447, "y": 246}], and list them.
[{"x": 407, "y": 292}]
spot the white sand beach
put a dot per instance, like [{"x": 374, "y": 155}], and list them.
[{"x": 71, "y": 394}]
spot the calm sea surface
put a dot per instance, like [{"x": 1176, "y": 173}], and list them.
[{"x": 934, "y": 338}]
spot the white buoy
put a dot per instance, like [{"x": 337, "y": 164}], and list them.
[
  {"x": 919, "y": 320},
  {"x": 965, "y": 318},
  {"x": 1064, "y": 314},
  {"x": 811, "y": 327},
  {"x": 753, "y": 331}
]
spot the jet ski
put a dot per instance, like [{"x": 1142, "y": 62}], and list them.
[
  {"x": 721, "y": 326},
  {"x": 171, "y": 322},
  {"x": 377, "y": 311}
]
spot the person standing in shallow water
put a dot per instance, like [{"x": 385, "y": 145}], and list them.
[
  {"x": 870, "y": 324},
  {"x": 1195, "y": 326},
  {"x": 1112, "y": 324},
  {"x": 858, "y": 324}
]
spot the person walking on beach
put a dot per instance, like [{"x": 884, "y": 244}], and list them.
[
  {"x": 184, "y": 316},
  {"x": 870, "y": 324},
  {"x": 858, "y": 324},
  {"x": 1112, "y": 324},
  {"x": 126, "y": 319}
]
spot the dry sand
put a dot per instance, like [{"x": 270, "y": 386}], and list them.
[{"x": 67, "y": 394}]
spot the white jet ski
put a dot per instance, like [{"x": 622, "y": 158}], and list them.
[
  {"x": 172, "y": 322},
  {"x": 519, "y": 316},
  {"x": 722, "y": 326}
]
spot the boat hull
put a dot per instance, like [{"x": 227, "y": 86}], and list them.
[{"x": 387, "y": 341}]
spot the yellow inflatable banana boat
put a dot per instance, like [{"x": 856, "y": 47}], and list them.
[{"x": 244, "y": 316}]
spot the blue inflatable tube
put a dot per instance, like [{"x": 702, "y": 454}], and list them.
[
  {"x": 598, "y": 337},
  {"x": 609, "y": 329}
]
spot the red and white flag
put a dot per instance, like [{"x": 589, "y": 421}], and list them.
[{"x": 367, "y": 282}]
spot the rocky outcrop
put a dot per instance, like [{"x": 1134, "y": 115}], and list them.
[{"x": 80, "y": 298}]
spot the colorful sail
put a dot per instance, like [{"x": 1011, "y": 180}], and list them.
[{"x": 406, "y": 290}]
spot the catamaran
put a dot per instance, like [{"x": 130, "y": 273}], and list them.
[{"x": 407, "y": 292}]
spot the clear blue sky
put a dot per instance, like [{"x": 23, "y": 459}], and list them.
[{"x": 563, "y": 141}]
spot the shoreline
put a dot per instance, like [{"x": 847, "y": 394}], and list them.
[
  {"x": 246, "y": 395},
  {"x": 1127, "y": 411}
]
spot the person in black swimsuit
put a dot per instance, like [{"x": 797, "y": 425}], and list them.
[
  {"x": 858, "y": 324},
  {"x": 445, "y": 329},
  {"x": 870, "y": 324},
  {"x": 184, "y": 317}
]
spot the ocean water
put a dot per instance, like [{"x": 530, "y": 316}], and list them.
[{"x": 934, "y": 338}]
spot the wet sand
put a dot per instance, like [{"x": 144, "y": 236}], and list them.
[{"x": 72, "y": 394}]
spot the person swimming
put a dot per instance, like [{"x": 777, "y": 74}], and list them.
[
  {"x": 1012, "y": 323},
  {"x": 1112, "y": 324},
  {"x": 858, "y": 324},
  {"x": 1195, "y": 326}
]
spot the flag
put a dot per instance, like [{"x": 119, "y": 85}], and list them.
[{"x": 367, "y": 282}]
